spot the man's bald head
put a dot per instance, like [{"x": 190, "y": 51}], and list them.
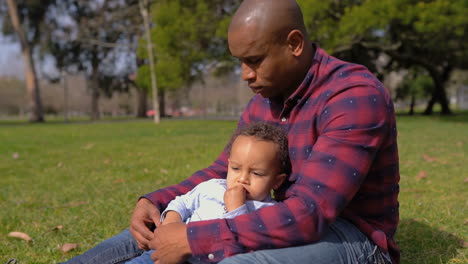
[
  {"x": 270, "y": 40},
  {"x": 277, "y": 17}
]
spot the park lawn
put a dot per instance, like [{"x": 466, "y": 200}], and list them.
[{"x": 85, "y": 178}]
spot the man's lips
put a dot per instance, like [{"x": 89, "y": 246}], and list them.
[{"x": 256, "y": 89}]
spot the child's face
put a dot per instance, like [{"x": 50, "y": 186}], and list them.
[{"x": 254, "y": 165}]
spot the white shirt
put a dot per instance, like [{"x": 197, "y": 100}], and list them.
[{"x": 206, "y": 202}]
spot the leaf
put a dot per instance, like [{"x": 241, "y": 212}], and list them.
[
  {"x": 20, "y": 235},
  {"x": 60, "y": 164},
  {"x": 15, "y": 155},
  {"x": 118, "y": 181},
  {"x": 421, "y": 175},
  {"x": 57, "y": 227},
  {"x": 68, "y": 247},
  {"x": 163, "y": 171},
  {"x": 429, "y": 158},
  {"x": 88, "y": 146}
]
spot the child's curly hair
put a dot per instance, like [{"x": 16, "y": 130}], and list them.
[{"x": 266, "y": 132}]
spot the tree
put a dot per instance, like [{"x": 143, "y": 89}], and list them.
[
  {"x": 28, "y": 15},
  {"x": 428, "y": 34},
  {"x": 98, "y": 37},
  {"x": 189, "y": 39},
  {"x": 143, "y": 4},
  {"x": 416, "y": 84}
]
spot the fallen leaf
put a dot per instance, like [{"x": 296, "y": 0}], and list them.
[
  {"x": 107, "y": 161},
  {"x": 15, "y": 155},
  {"x": 119, "y": 181},
  {"x": 466, "y": 222},
  {"x": 60, "y": 165},
  {"x": 58, "y": 227},
  {"x": 163, "y": 171},
  {"x": 429, "y": 158},
  {"x": 421, "y": 175},
  {"x": 145, "y": 170},
  {"x": 459, "y": 144},
  {"x": 463, "y": 243},
  {"x": 466, "y": 180},
  {"x": 68, "y": 247},
  {"x": 20, "y": 235},
  {"x": 88, "y": 146}
]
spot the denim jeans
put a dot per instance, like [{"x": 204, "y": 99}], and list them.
[
  {"x": 343, "y": 243},
  {"x": 116, "y": 249}
]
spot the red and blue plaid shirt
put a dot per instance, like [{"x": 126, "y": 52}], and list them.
[{"x": 343, "y": 149}]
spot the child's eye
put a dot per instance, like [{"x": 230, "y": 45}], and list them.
[
  {"x": 234, "y": 168},
  {"x": 256, "y": 173}
]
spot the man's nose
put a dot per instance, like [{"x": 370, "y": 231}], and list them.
[{"x": 247, "y": 73}]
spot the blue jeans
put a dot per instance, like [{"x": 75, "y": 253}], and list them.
[
  {"x": 116, "y": 249},
  {"x": 343, "y": 243}
]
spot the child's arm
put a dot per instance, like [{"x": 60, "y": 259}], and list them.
[{"x": 172, "y": 217}]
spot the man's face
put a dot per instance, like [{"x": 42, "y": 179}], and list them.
[
  {"x": 265, "y": 62},
  {"x": 254, "y": 165}
]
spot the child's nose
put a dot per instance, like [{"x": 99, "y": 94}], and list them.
[{"x": 243, "y": 178}]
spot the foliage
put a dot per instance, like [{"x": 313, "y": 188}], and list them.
[
  {"x": 96, "y": 38},
  {"x": 189, "y": 39},
  {"x": 87, "y": 178},
  {"x": 428, "y": 34},
  {"x": 414, "y": 84},
  {"x": 32, "y": 14}
]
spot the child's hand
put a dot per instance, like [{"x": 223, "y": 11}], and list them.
[{"x": 234, "y": 197}]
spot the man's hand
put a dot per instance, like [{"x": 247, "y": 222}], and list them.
[
  {"x": 144, "y": 218},
  {"x": 171, "y": 244},
  {"x": 234, "y": 197}
]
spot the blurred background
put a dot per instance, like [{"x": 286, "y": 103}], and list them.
[{"x": 92, "y": 59}]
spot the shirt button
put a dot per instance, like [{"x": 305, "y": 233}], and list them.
[
  {"x": 283, "y": 119},
  {"x": 211, "y": 256}
]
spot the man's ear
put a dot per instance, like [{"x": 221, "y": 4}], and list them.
[
  {"x": 296, "y": 42},
  {"x": 279, "y": 180}
]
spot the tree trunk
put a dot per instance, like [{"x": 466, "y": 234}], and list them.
[
  {"x": 439, "y": 94},
  {"x": 95, "y": 115},
  {"x": 413, "y": 102},
  {"x": 162, "y": 103},
  {"x": 143, "y": 4},
  {"x": 142, "y": 102},
  {"x": 32, "y": 85}
]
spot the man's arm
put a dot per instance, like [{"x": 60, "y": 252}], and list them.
[{"x": 326, "y": 182}]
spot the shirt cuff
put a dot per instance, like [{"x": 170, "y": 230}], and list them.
[
  {"x": 212, "y": 240},
  {"x": 238, "y": 211}
]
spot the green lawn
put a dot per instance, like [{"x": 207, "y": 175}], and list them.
[{"x": 86, "y": 178}]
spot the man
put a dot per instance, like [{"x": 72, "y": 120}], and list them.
[{"x": 341, "y": 205}]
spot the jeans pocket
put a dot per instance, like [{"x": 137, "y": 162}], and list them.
[{"x": 378, "y": 257}]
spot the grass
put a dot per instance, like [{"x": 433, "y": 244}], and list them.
[{"x": 86, "y": 178}]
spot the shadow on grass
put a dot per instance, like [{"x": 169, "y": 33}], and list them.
[{"x": 421, "y": 243}]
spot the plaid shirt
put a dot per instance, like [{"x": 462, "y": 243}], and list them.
[{"x": 343, "y": 149}]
